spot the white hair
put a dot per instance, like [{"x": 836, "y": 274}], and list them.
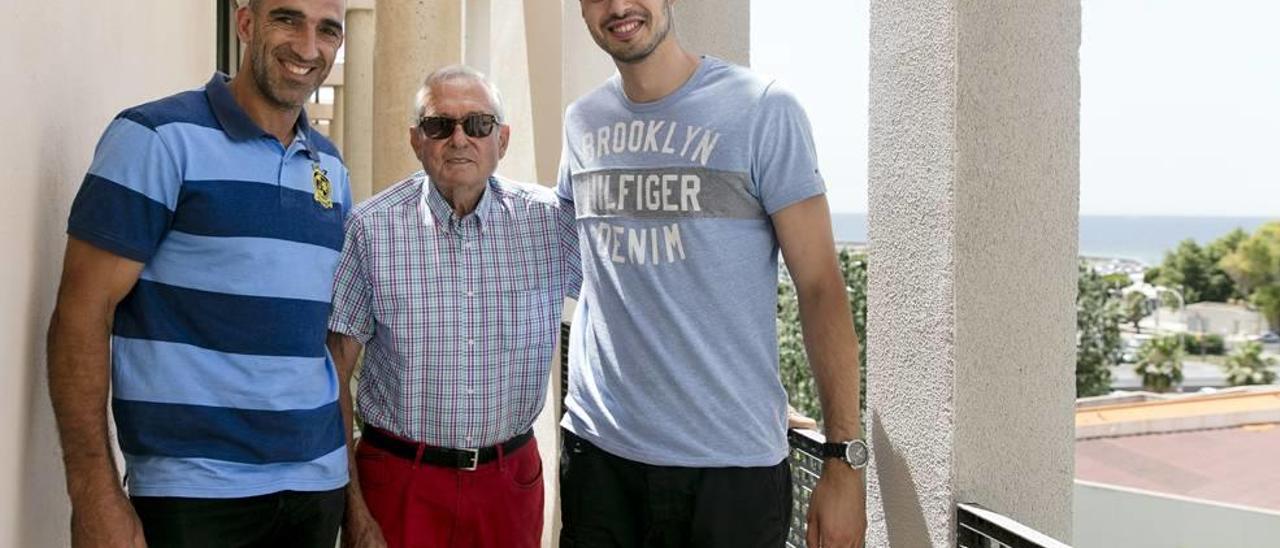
[{"x": 456, "y": 72}]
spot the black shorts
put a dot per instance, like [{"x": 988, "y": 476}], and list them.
[
  {"x": 287, "y": 518},
  {"x": 608, "y": 501}
]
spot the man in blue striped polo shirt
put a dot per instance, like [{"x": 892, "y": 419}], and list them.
[{"x": 195, "y": 290}]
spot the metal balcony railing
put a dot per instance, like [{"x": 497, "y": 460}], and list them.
[
  {"x": 806, "y": 467},
  {"x": 978, "y": 527}
]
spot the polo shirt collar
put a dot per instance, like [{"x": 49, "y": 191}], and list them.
[
  {"x": 236, "y": 122},
  {"x": 437, "y": 212}
]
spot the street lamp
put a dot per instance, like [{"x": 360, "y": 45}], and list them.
[{"x": 1182, "y": 302}]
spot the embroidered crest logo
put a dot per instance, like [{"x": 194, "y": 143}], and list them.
[{"x": 323, "y": 190}]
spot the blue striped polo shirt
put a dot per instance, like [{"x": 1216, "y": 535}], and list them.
[{"x": 221, "y": 383}]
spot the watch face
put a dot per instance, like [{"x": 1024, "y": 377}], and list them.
[{"x": 856, "y": 453}]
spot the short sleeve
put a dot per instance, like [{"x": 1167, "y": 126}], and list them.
[
  {"x": 564, "y": 177},
  {"x": 567, "y": 228},
  {"x": 125, "y": 203},
  {"x": 346, "y": 197},
  {"x": 784, "y": 163},
  {"x": 351, "y": 313}
]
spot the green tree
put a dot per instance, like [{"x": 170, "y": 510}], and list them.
[
  {"x": 1098, "y": 317},
  {"x": 1220, "y": 287},
  {"x": 792, "y": 362},
  {"x": 1247, "y": 366},
  {"x": 1151, "y": 275},
  {"x": 1255, "y": 267},
  {"x": 1160, "y": 363},
  {"x": 797, "y": 378},
  {"x": 1196, "y": 271}
]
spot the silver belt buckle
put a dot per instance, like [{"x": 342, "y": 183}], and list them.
[{"x": 475, "y": 459}]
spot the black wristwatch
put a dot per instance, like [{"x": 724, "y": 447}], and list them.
[{"x": 853, "y": 452}]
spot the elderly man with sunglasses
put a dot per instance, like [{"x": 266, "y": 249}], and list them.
[{"x": 452, "y": 281}]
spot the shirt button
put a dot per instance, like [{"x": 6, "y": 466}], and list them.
[
  {"x": 470, "y": 293},
  {"x": 471, "y": 342},
  {"x": 468, "y": 245}
]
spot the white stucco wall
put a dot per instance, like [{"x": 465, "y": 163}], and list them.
[
  {"x": 716, "y": 27},
  {"x": 67, "y": 68},
  {"x": 973, "y": 200}
]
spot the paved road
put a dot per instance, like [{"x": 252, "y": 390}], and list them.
[{"x": 1195, "y": 375}]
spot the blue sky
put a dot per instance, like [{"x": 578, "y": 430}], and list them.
[{"x": 1180, "y": 100}]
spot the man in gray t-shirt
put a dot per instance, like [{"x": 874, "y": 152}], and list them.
[{"x": 688, "y": 176}]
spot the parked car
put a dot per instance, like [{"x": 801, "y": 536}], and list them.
[{"x": 1269, "y": 338}]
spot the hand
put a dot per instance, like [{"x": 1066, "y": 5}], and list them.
[
  {"x": 799, "y": 421},
  {"x": 361, "y": 530},
  {"x": 838, "y": 509},
  {"x": 108, "y": 522}
]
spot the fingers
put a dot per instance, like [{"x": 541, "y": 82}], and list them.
[{"x": 812, "y": 531}]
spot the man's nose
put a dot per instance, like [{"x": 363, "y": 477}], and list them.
[
  {"x": 459, "y": 136},
  {"x": 306, "y": 44},
  {"x": 617, "y": 8}
]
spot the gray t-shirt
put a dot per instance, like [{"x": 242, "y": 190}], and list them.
[{"x": 674, "y": 353}]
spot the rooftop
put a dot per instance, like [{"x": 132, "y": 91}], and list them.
[{"x": 1219, "y": 447}]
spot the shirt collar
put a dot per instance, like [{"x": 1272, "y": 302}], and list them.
[
  {"x": 236, "y": 122},
  {"x": 437, "y": 212}
]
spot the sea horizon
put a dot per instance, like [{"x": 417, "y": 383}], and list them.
[{"x": 1143, "y": 238}]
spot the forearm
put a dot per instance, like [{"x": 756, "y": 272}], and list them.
[
  {"x": 79, "y": 376},
  {"x": 346, "y": 351},
  {"x": 832, "y": 348}
]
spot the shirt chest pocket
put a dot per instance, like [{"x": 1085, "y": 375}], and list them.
[{"x": 525, "y": 317}]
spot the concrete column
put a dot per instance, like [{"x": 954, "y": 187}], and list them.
[
  {"x": 412, "y": 39},
  {"x": 337, "y": 131},
  {"x": 545, "y": 50},
  {"x": 500, "y": 45},
  {"x": 357, "y": 97},
  {"x": 974, "y": 183}
]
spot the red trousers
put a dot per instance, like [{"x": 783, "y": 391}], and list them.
[{"x": 499, "y": 504}]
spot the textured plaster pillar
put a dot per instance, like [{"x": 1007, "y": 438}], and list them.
[
  {"x": 412, "y": 39},
  {"x": 357, "y": 97},
  {"x": 337, "y": 131},
  {"x": 974, "y": 183}
]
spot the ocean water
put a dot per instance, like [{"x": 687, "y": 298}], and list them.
[{"x": 1141, "y": 238}]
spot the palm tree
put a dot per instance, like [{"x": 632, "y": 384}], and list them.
[
  {"x": 1160, "y": 363},
  {"x": 1247, "y": 366}
]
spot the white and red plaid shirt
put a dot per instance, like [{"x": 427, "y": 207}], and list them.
[{"x": 459, "y": 317}]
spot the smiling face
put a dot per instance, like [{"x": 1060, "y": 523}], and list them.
[
  {"x": 628, "y": 30},
  {"x": 459, "y": 160},
  {"x": 291, "y": 46}
]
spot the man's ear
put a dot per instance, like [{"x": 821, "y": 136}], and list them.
[
  {"x": 415, "y": 142},
  {"x": 504, "y": 136},
  {"x": 244, "y": 24}
]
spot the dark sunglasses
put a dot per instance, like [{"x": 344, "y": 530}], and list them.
[{"x": 474, "y": 125}]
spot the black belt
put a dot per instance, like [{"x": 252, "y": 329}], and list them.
[{"x": 464, "y": 459}]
